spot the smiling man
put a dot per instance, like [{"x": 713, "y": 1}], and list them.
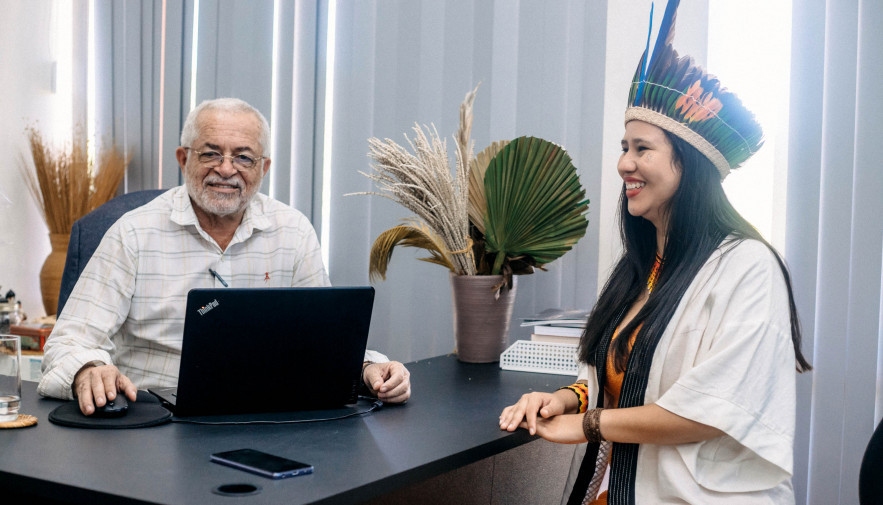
[{"x": 121, "y": 329}]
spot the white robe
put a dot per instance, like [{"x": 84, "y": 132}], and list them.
[{"x": 725, "y": 360}]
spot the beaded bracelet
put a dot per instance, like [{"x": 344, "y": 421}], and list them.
[
  {"x": 592, "y": 426},
  {"x": 582, "y": 395}
]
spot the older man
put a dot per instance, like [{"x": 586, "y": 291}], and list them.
[{"x": 122, "y": 326}]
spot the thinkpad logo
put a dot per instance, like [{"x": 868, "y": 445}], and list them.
[{"x": 207, "y": 307}]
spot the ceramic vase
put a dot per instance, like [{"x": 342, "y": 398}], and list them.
[
  {"x": 481, "y": 319},
  {"x": 53, "y": 268}
]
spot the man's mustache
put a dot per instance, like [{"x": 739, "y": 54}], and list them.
[{"x": 220, "y": 180}]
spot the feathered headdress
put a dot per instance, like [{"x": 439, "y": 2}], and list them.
[{"x": 678, "y": 96}]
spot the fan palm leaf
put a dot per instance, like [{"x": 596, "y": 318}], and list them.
[
  {"x": 477, "y": 200},
  {"x": 535, "y": 203},
  {"x": 407, "y": 235}
]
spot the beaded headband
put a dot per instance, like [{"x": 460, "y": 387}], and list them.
[{"x": 677, "y": 95}]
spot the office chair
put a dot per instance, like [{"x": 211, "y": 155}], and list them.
[
  {"x": 87, "y": 232},
  {"x": 870, "y": 478}
]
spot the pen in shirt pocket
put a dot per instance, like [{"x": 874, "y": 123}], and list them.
[{"x": 217, "y": 276}]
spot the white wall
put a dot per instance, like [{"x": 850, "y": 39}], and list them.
[{"x": 26, "y": 54}]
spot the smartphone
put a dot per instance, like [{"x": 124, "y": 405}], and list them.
[{"x": 261, "y": 463}]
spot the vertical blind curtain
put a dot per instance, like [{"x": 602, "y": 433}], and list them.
[
  {"x": 137, "y": 55},
  {"x": 835, "y": 238},
  {"x": 126, "y": 71},
  {"x": 394, "y": 63},
  {"x": 405, "y": 61},
  {"x": 142, "y": 87},
  {"x": 263, "y": 52}
]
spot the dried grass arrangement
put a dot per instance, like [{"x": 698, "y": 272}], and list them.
[
  {"x": 65, "y": 183},
  {"x": 514, "y": 207}
]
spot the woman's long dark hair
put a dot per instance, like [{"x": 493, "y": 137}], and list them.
[{"x": 700, "y": 219}]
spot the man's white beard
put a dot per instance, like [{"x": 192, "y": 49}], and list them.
[{"x": 221, "y": 204}]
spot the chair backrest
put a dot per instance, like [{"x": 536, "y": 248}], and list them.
[
  {"x": 87, "y": 232},
  {"x": 870, "y": 478}
]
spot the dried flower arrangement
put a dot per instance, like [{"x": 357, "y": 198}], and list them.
[
  {"x": 516, "y": 206},
  {"x": 66, "y": 184}
]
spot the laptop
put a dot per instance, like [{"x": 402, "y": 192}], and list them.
[{"x": 270, "y": 350}]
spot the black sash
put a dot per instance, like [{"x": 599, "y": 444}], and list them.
[
  {"x": 587, "y": 467},
  {"x": 621, "y": 486}
]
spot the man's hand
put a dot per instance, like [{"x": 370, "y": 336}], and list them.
[
  {"x": 390, "y": 381},
  {"x": 96, "y": 385}
]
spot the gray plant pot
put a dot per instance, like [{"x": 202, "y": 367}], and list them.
[{"x": 481, "y": 320}]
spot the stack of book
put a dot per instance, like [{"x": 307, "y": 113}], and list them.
[{"x": 563, "y": 326}]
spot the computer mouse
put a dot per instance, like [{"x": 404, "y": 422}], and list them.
[{"x": 113, "y": 408}]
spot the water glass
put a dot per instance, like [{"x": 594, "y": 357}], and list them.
[{"x": 10, "y": 377}]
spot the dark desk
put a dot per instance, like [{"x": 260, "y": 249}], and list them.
[{"x": 450, "y": 422}]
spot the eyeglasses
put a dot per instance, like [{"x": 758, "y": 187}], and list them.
[{"x": 213, "y": 159}]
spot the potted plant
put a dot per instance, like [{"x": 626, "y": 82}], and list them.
[
  {"x": 67, "y": 184},
  {"x": 514, "y": 207}
]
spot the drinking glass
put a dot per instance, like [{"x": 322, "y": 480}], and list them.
[{"x": 10, "y": 377}]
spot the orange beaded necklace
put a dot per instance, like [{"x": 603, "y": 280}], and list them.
[{"x": 654, "y": 273}]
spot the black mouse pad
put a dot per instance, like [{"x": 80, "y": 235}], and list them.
[{"x": 144, "y": 412}]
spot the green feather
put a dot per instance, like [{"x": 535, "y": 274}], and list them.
[{"x": 733, "y": 131}]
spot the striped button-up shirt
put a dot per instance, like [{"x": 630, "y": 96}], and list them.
[{"x": 127, "y": 307}]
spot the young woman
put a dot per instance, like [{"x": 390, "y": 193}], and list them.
[{"x": 690, "y": 352}]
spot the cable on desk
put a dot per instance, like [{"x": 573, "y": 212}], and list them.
[{"x": 376, "y": 404}]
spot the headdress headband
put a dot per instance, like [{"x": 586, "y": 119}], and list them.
[{"x": 680, "y": 97}]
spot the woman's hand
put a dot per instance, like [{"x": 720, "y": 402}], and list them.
[
  {"x": 524, "y": 413},
  {"x": 565, "y": 429}
]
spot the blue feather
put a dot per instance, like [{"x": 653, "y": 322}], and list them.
[
  {"x": 644, "y": 66},
  {"x": 666, "y": 28}
]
